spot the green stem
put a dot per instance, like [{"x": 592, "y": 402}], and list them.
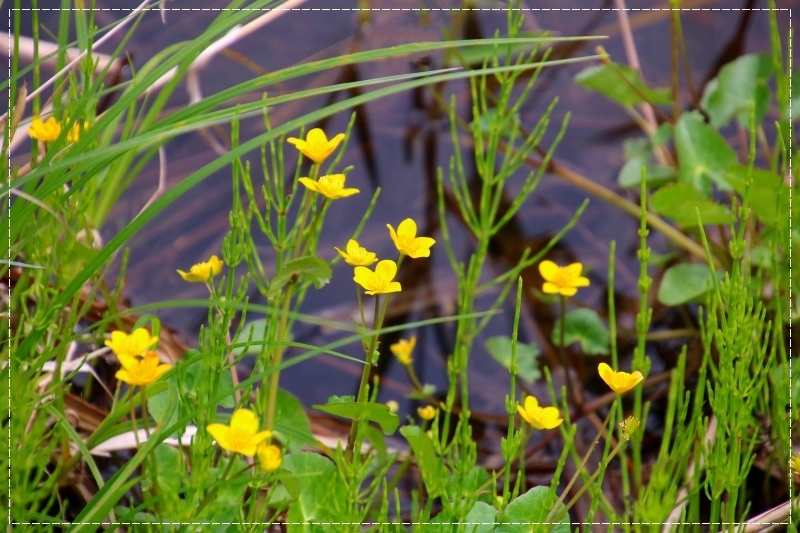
[
  {"x": 277, "y": 358},
  {"x": 214, "y": 490},
  {"x": 571, "y": 391}
]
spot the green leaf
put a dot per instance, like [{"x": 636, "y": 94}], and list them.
[
  {"x": 741, "y": 84},
  {"x": 684, "y": 283},
  {"x": 702, "y": 152},
  {"x": 631, "y": 174},
  {"x": 292, "y": 425},
  {"x": 583, "y": 326},
  {"x": 481, "y": 518},
  {"x": 765, "y": 189},
  {"x": 427, "y": 391},
  {"x": 320, "y": 490},
  {"x": 434, "y": 473},
  {"x": 527, "y": 354},
  {"x": 312, "y": 269},
  {"x": 475, "y": 56},
  {"x": 254, "y": 331},
  {"x": 610, "y": 81},
  {"x": 679, "y": 201},
  {"x": 374, "y": 412},
  {"x": 528, "y": 513}
]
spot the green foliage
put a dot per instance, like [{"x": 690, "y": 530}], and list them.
[
  {"x": 526, "y": 357},
  {"x": 740, "y": 86},
  {"x": 530, "y": 511},
  {"x": 373, "y": 412},
  {"x": 585, "y": 327},
  {"x": 703, "y": 153},
  {"x": 684, "y": 283},
  {"x": 311, "y": 269},
  {"x": 622, "y": 84},
  {"x": 682, "y": 201}
]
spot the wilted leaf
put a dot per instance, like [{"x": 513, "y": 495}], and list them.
[
  {"x": 527, "y": 369},
  {"x": 583, "y": 326},
  {"x": 679, "y": 201}
]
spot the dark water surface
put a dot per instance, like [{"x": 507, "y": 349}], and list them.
[{"x": 403, "y": 146}]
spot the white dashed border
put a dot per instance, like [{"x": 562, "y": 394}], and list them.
[{"x": 791, "y": 135}]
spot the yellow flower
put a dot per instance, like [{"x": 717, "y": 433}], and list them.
[
  {"x": 356, "y": 255},
  {"x": 380, "y": 281},
  {"x": 330, "y": 186},
  {"x": 794, "y": 464},
  {"x": 620, "y": 382},
  {"x": 47, "y": 131},
  {"x": 75, "y": 132},
  {"x": 269, "y": 456},
  {"x": 402, "y": 350},
  {"x": 427, "y": 412},
  {"x": 407, "y": 242},
  {"x": 539, "y": 417},
  {"x": 203, "y": 272},
  {"x": 136, "y": 343},
  {"x": 562, "y": 280},
  {"x": 393, "y": 406},
  {"x": 140, "y": 370},
  {"x": 316, "y": 147},
  {"x": 242, "y": 436}
]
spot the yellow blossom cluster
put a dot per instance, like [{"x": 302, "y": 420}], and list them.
[
  {"x": 50, "y": 129},
  {"x": 242, "y": 436},
  {"x": 140, "y": 366}
]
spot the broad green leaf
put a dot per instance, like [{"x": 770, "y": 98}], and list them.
[
  {"x": 481, "y": 518},
  {"x": 583, "y": 326},
  {"x": 292, "y": 425},
  {"x": 611, "y": 82},
  {"x": 427, "y": 391},
  {"x": 434, "y": 473},
  {"x": 679, "y": 201},
  {"x": 528, "y": 514},
  {"x": 374, "y": 412},
  {"x": 765, "y": 189},
  {"x": 320, "y": 492},
  {"x": 255, "y": 332},
  {"x": 308, "y": 268},
  {"x": 741, "y": 84},
  {"x": 702, "y": 153},
  {"x": 527, "y": 369},
  {"x": 631, "y": 173},
  {"x": 684, "y": 283}
]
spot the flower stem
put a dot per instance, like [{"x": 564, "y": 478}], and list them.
[
  {"x": 562, "y": 353},
  {"x": 363, "y": 397},
  {"x": 276, "y": 359}
]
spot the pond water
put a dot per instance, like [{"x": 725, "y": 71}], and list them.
[{"x": 398, "y": 149}]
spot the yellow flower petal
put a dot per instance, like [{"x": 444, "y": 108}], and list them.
[
  {"x": 137, "y": 343},
  {"x": 562, "y": 280},
  {"x": 45, "y": 131},
  {"x": 309, "y": 184},
  {"x": 316, "y": 147},
  {"x": 242, "y": 435},
  {"x": 539, "y": 417},
  {"x": 380, "y": 281},
  {"x": 427, "y": 412},
  {"x": 548, "y": 270},
  {"x": 245, "y": 420},
  {"x": 402, "y": 349},
  {"x": 203, "y": 272},
  {"x": 619, "y": 382},
  {"x": 269, "y": 456},
  {"x": 406, "y": 241}
]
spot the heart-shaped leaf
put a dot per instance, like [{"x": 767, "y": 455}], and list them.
[{"x": 583, "y": 326}]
